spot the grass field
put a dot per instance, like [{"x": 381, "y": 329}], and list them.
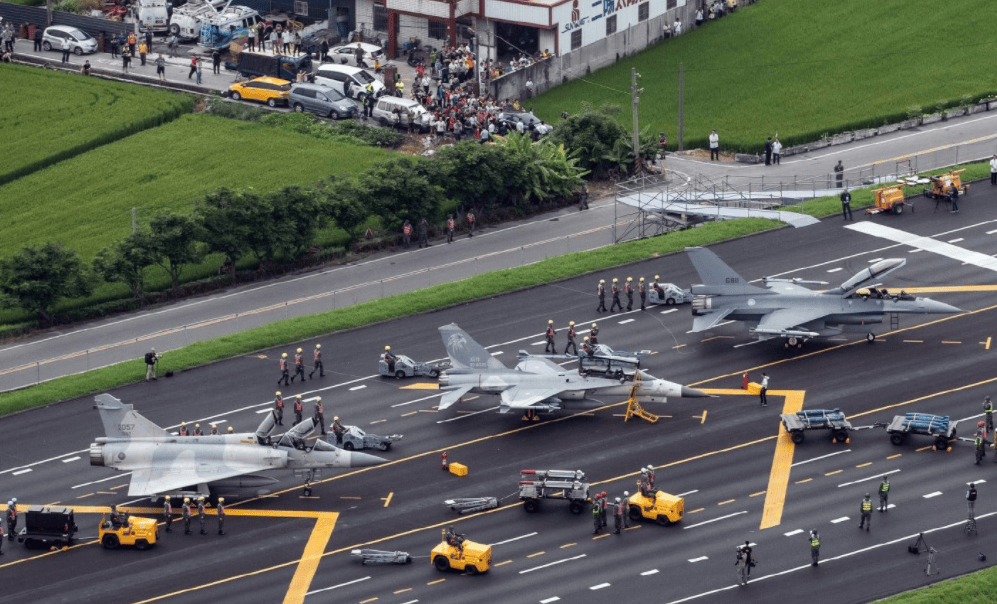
[
  {"x": 48, "y": 116},
  {"x": 799, "y": 69}
]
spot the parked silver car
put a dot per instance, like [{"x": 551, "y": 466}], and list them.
[
  {"x": 322, "y": 100},
  {"x": 80, "y": 42}
]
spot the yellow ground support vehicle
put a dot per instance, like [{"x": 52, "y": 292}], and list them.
[
  {"x": 889, "y": 199},
  {"x": 140, "y": 532},
  {"x": 663, "y": 508},
  {"x": 941, "y": 184},
  {"x": 468, "y": 556}
]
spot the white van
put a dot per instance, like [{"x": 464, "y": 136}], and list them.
[
  {"x": 185, "y": 23},
  {"x": 393, "y": 111},
  {"x": 336, "y": 76},
  {"x": 151, "y": 14}
]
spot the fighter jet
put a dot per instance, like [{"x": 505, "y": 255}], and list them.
[
  {"x": 537, "y": 383},
  {"x": 221, "y": 464},
  {"x": 784, "y": 308}
]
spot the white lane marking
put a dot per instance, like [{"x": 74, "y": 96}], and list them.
[
  {"x": 914, "y": 251},
  {"x": 880, "y": 475},
  {"x": 418, "y": 400},
  {"x": 699, "y": 559},
  {"x": 646, "y": 573},
  {"x": 834, "y": 270},
  {"x": 530, "y": 570},
  {"x": 800, "y": 463},
  {"x": 262, "y": 411},
  {"x": 687, "y": 493},
  {"x": 839, "y": 520},
  {"x": 930, "y": 495},
  {"x": 69, "y": 459},
  {"x": 43, "y": 461},
  {"x": 992, "y": 232},
  {"x": 926, "y": 243},
  {"x": 410, "y": 602},
  {"x": 360, "y": 387},
  {"x": 220, "y": 421},
  {"x": 805, "y": 567},
  {"x": 715, "y": 519},
  {"x": 549, "y": 600},
  {"x": 498, "y": 352},
  {"x": 134, "y": 501},
  {"x": 891, "y": 506},
  {"x": 539, "y": 343},
  {"x": 874, "y": 260},
  {"x": 116, "y": 476},
  {"x": 627, "y": 321},
  {"x": 24, "y": 471},
  {"x": 453, "y": 419},
  {"x": 791, "y": 533},
  {"x": 980, "y": 481},
  {"x": 717, "y": 325},
  {"x": 511, "y": 540},
  {"x": 338, "y": 586},
  {"x": 665, "y": 312},
  {"x": 957, "y": 240},
  {"x": 599, "y": 586}
]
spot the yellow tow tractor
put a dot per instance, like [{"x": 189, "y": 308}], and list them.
[
  {"x": 135, "y": 530},
  {"x": 889, "y": 199},
  {"x": 454, "y": 552},
  {"x": 659, "y": 507}
]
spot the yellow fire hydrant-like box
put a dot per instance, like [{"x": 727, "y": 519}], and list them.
[
  {"x": 458, "y": 469},
  {"x": 754, "y": 388}
]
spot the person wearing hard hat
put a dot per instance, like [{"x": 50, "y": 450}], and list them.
[
  {"x": 168, "y": 514},
  {"x": 214, "y": 429},
  {"x": 594, "y": 334},
  {"x": 618, "y": 515},
  {"x": 654, "y": 286},
  {"x": 186, "y": 515},
  {"x": 642, "y": 290},
  {"x": 630, "y": 293},
  {"x": 220, "y": 510},
  {"x": 601, "y": 291},
  {"x": 338, "y": 430},
  {"x": 231, "y": 430},
  {"x": 571, "y": 338},
  {"x": 587, "y": 348},
  {"x": 197, "y": 429},
  {"x": 283, "y": 370},
  {"x": 616, "y": 296},
  {"x": 278, "y": 410},
  {"x": 626, "y": 505},
  {"x": 183, "y": 429},
  {"x": 298, "y": 408},
  {"x": 389, "y": 359},
  {"x": 550, "y": 337},
  {"x": 317, "y": 358},
  {"x": 299, "y": 366},
  {"x": 320, "y": 414},
  {"x": 200, "y": 514}
]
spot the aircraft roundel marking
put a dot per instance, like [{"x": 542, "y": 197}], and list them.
[{"x": 751, "y": 301}]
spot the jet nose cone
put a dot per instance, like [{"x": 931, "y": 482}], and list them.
[
  {"x": 933, "y": 306},
  {"x": 363, "y": 460},
  {"x": 688, "y": 392}
]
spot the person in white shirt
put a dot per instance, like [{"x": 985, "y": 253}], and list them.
[
  {"x": 776, "y": 151},
  {"x": 677, "y": 28},
  {"x": 699, "y": 17},
  {"x": 993, "y": 170},
  {"x": 765, "y": 388},
  {"x": 714, "y": 146}
]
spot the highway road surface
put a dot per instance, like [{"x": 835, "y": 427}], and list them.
[{"x": 740, "y": 479}]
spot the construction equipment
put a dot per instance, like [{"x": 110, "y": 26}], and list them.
[
  {"x": 926, "y": 424},
  {"x": 376, "y": 556},
  {"x": 889, "y": 199},
  {"x": 941, "y": 184},
  {"x": 406, "y": 367},
  {"x": 47, "y": 526},
  {"x": 143, "y": 533},
  {"x": 816, "y": 419},
  {"x": 456, "y": 553},
  {"x": 469, "y": 505},
  {"x": 634, "y": 408},
  {"x": 535, "y": 485},
  {"x": 662, "y": 507}
]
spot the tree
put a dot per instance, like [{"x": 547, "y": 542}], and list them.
[
  {"x": 592, "y": 135},
  {"x": 494, "y": 177},
  {"x": 125, "y": 262},
  {"x": 37, "y": 277},
  {"x": 175, "y": 240},
  {"x": 298, "y": 216},
  {"x": 342, "y": 204},
  {"x": 545, "y": 171},
  {"x": 400, "y": 190},
  {"x": 225, "y": 219}
]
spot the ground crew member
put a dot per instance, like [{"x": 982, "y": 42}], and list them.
[
  {"x": 186, "y": 515},
  {"x": 626, "y": 503},
  {"x": 297, "y": 409},
  {"x": 11, "y": 519},
  {"x": 884, "y": 494},
  {"x": 470, "y": 224},
  {"x": 231, "y": 430},
  {"x": 594, "y": 334},
  {"x": 978, "y": 443},
  {"x": 616, "y": 296},
  {"x": 814, "y": 546},
  {"x": 604, "y": 504},
  {"x": 221, "y": 515},
  {"x": 630, "y": 293},
  {"x": 338, "y": 430},
  {"x": 200, "y": 514},
  {"x": 320, "y": 414},
  {"x": 115, "y": 516},
  {"x": 168, "y": 513},
  {"x": 283, "y": 370},
  {"x": 214, "y": 429},
  {"x": 150, "y": 365},
  {"x": 1, "y": 539},
  {"x": 971, "y": 499},
  {"x": 450, "y": 229},
  {"x": 988, "y": 414},
  {"x": 586, "y": 349},
  {"x": 317, "y": 358},
  {"x": 650, "y": 476},
  {"x": 765, "y": 389},
  {"x": 596, "y": 520},
  {"x": 299, "y": 366},
  {"x": 550, "y": 337},
  {"x": 368, "y": 104},
  {"x": 423, "y": 233},
  {"x": 407, "y": 234},
  {"x": 601, "y": 290},
  {"x": 389, "y": 359},
  {"x": 643, "y": 292},
  {"x": 197, "y": 429},
  {"x": 278, "y": 410},
  {"x": 183, "y": 429},
  {"x": 654, "y": 286},
  {"x": 618, "y": 515},
  {"x": 866, "y": 508},
  {"x": 571, "y": 338}
]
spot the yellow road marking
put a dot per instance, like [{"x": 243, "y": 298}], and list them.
[
  {"x": 950, "y": 342},
  {"x": 305, "y": 572},
  {"x": 950, "y": 289},
  {"x": 347, "y": 497},
  {"x": 85, "y": 496},
  {"x": 862, "y": 465},
  {"x": 600, "y": 536},
  {"x": 427, "y": 410},
  {"x": 926, "y": 397},
  {"x": 726, "y": 502},
  {"x": 401, "y": 591},
  {"x": 106, "y": 493},
  {"x": 894, "y": 456},
  {"x": 51, "y": 504},
  {"x": 367, "y": 600},
  {"x": 782, "y": 461},
  {"x": 679, "y": 346},
  {"x": 632, "y": 528},
  {"x": 409, "y": 413},
  {"x": 420, "y": 386},
  {"x": 387, "y": 500},
  {"x": 924, "y": 448},
  {"x": 914, "y": 341},
  {"x": 119, "y": 486},
  {"x": 378, "y": 421},
  {"x": 695, "y": 511},
  {"x": 436, "y": 581},
  {"x": 568, "y": 545},
  {"x": 718, "y": 338},
  {"x": 503, "y": 563},
  {"x": 701, "y": 418},
  {"x": 804, "y": 480},
  {"x": 833, "y": 473},
  {"x": 757, "y": 494},
  {"x": 536, "y": 554},
  {"x": 987, "y": 345}
]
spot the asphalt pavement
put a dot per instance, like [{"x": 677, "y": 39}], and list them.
[{"x": 722, "y": 455}]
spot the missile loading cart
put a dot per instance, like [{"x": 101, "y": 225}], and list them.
[{"x": 535, "y": 485}]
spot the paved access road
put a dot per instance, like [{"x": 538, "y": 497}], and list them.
[{"x": 720, "y": 453}]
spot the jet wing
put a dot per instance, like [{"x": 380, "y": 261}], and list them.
[
  {"x": 453, "y": 396},
  {"x": 520, "y": 397},
  {"x": 539, "y": 365},
  {"x": 704, "y": 322},
  {"x": 160, "y": 479},
  {"x": 787, "y": 319}
]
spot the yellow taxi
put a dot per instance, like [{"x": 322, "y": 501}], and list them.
[{"x": 272, "y": 91}]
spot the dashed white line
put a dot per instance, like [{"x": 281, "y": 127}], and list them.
[
  {"x": 980, "y": 481},
  {"x": 418, "y": 400},
  {"x": 221, "y": 421},
  {"x": 453, "y": 419},
  {"x": 599, "y": 586},
  {"x": 530, "y": 570},
  {"x": 699, "y": 559},
  {"x": 839, "y": 520},
  {"x": 511, "y": 540},
  {"x": 337, "y": 586},
  {"x": 665, "y": 312},
  {"x": 914, "y": 251},
  {"x": 549, "y": 600},
  {"x": 992, "y": 232},
  {"x": 24, "y": 471},
  {"x": 930, "y": 495},
  {"x": 874, "y": 260},
  {"x": 67, "y": 460},
  {"x": 800, "y": 463},
  {"x": 791, "y": 533},
  {"x": 716, "y": 519},
  {"x": 687, "y": 493},
  {"x": 538, "y": 343},
  {"x": 262, "y": 411},
  {"x": 360, "y": 387},
  {"x": 116, "y": 476},
  {"x": 42, "y": 461},
  {"x": 646, "y": 573},
  {"x": 957, "y": 240},
  {"x": 627, "y": 321},
  {"x": 834, "y": 270},
  {"x": 498, "y": 352},
  {"x": 881, "y": 474}
]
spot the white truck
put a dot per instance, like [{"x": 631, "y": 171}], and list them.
[
  {"x": 186, "y": 20},
  {"x": 150, "y": 14}
]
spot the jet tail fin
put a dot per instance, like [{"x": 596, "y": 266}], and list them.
[
  {"x": 465, "y": 352},
  {"x": 122, "y": 421},
  {"x": 717, "y": 277}
]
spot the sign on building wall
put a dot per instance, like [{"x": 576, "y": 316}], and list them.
[{"x": 582, "y": 22}]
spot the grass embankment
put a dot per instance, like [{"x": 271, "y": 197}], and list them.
[
  {"x": 799, "y": 69},
  {"x": 49, "y": 117},
  {"x": 85, "y": 202},
  {"x": 383, "y": 309},
  {"x": 977, "y": 588}
]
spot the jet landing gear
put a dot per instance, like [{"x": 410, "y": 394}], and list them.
[
  {"x": 793, "y": 342},
  {"x": 870, "y": 337}
]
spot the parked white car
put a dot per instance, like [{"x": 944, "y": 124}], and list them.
[
  {"x": 80, "y": 42},
  {"x": 348, "y": 54}
]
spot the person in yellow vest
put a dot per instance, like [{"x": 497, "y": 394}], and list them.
[
  {"x": 866, "y": 508},
  {"x": 884, "y": 494},
  {"x": 142, "y": 51},
  {"x": 814, "y": 546}
]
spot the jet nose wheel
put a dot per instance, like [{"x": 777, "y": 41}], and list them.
[{"x": 870, "y": 337}]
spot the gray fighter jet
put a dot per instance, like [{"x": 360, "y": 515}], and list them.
[
  {"x": 784, "y": 308},
  {"x": 223, "y": 464},
  {"x": 537, "y": 383}
]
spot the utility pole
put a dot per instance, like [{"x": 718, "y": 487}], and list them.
[
  {"x": 681, "y": 108},
  {"x": 634, "y": 92}
]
